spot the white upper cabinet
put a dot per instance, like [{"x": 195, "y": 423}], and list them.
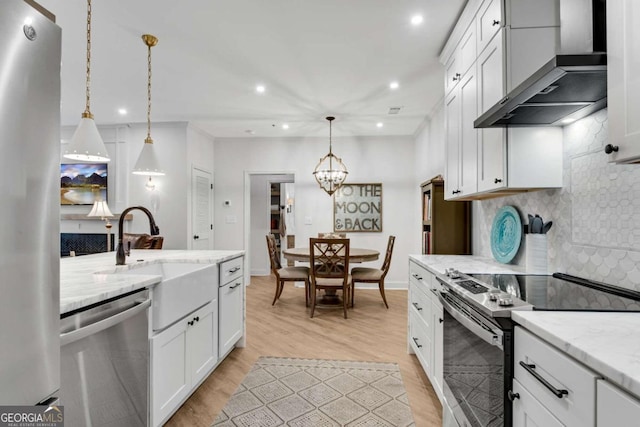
[
  {"x": 489, "y": 21},
  {"x": 513, "y": 38},
  {"x": 623, "y": 80}
]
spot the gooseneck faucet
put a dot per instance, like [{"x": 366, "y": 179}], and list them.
[{"x": 120, "y": 257}]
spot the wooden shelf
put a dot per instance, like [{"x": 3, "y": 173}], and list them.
[{"x": 448, "y": 229}]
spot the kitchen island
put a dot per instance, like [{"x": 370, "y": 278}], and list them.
[{"x": 183, "y": 313}]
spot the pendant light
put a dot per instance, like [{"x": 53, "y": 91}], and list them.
[
  {"x": 147, "y": 163},
  {"x": 330, "y": 172},
  {"x": 86, "y": 143}
]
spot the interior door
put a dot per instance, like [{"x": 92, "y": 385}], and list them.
[{"x": 201, "y": 209}]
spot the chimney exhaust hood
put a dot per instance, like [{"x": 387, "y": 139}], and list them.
[
  {"x": 572, "y": 85},
  {"x": 566, "y": 88}
]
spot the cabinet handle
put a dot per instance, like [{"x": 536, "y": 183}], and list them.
[
  {"x": 513, "y": 396},
  {"x": 190, "y": 322},
  {"x": 495, "y": 22},
  {"x": 497, "y": 180},
  {"x": 456, "y": 77},
  {"x": 503, "y": 100},
  {"x": 197, "y": 318},
  {"x": 196, "y": 237},
  {"x": 417, "y": 277},
  {"x": 415, "y": 304},
  {"x": 415, "y": 340},
  {"x": 559, "y": 393},
  {"x": 235, "y": 286},
  {"x": 455, "y": 192},
  {"x": 610, "y": 148},
  {"x": 234, "y": 269},
  {"x": 440, "y": 320}
]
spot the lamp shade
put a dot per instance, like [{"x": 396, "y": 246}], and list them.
[
  {"x": 86, "y": 143},
  {"x": 100, "y": 209},
  {"x": 147, "y": 163}
]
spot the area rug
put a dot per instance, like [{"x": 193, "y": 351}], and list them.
[{"x": 318, "y": 393}]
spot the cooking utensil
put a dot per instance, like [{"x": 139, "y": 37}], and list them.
[
  {"x": 530, "y": 224},
  {"x": 546, "y": 227}
]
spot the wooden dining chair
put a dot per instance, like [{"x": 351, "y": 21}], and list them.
[
  {"x": 286, "y": 274},
  {"x": 329, "y": 260},
  {"x": 373, "y": 275},
  {"x": 332, "y": 235}
]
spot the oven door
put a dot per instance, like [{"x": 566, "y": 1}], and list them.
[{"x": 473, "y": 365}]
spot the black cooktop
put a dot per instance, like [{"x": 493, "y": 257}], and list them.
[{"x": 564, "y": 292}]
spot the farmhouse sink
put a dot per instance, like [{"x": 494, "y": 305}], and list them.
[{"x": 184, "y": 288}]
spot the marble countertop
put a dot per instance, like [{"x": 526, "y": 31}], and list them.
[
  {"x": 608, "y": 343},
  {"x": 466, "y": 264},
  {"x": 89, "y": 279}
]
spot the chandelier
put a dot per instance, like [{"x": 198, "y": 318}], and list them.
[
  {"x": 147, "y": 163},
  {"x": 330, "y": 172}
]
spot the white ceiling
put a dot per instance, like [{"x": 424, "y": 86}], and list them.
[{"x": 315, "y": 58}]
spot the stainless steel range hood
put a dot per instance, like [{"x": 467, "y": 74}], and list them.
[
  {"x": 566, "y": 88},
  {"x": 572, "y": 85}
]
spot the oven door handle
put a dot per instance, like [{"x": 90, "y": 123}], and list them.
[{"x": 472, "y": 325}]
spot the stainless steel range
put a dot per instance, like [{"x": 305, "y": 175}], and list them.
[{"x": 478, "y": 344}]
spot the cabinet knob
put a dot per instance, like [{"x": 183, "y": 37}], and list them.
[
  {"x": 513, "y": 396},
  {"x": 440, "y": 320},
  {"x": 190, "y": 322},
  {"x": 497, "y": 180},
  {"x": 196, "y": 237},
  {"x": 610, "y": 148},
  {"x": 196, "y": 319},
  {"x": 495, "y": 22}
]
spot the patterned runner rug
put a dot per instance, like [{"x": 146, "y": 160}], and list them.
[{"x": 318, "y": 393}]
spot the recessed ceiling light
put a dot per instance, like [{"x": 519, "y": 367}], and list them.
[
  {"x": 122, "y": 111},
  {"x": 285, "y": 126},
  {"x": 416, "y": 19},
  {"x": 260, "y": 89},
  {"x": 379, "y": 124},
  {"x": 394, "y": 85}
]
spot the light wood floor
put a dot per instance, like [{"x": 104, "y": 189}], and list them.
[{"x": 371, "y": 333}]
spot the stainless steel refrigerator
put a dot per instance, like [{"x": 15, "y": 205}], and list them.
[{"x": 29, "y": 204}]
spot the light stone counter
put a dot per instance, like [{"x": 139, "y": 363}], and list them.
[
  {"x": 89, "y": 279},
  {"x": 465, "y": 264},
  {"x": 608, "y": 343}
]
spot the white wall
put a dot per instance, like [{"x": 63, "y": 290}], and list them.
[{"x": 385, "y": 160}]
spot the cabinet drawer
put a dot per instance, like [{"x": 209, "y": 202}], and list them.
[
  {"x": 570, "y": 394},
  {"x": 528, "y": 411},
  {"x": 420, "y": 275},
  {"x": 421, "y": 304},
  {"x": 419, "y": 340},
  {"x": 616, "y": 407},
  {"x": 230, "y": 270}
]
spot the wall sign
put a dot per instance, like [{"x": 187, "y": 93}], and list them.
[{"x": 358, "y": 207}]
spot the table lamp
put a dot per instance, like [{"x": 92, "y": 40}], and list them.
[{"x": 101, "y": 210}]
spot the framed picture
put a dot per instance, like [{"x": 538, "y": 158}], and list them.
[
  {"x": 358, "y": 207},
  {"x": 83, "y": 183}
]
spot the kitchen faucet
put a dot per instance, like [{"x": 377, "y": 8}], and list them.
[{"x": 120, "y": 256}]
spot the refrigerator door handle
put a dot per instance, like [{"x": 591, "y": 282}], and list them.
[{"x": 78, "y": 334}]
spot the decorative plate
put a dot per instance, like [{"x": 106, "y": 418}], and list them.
[{"x": 506, "y": 234}]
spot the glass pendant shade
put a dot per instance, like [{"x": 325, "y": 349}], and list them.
[
  {"x": 330, "y": 172},
  {"x": 147, "y": 163}
]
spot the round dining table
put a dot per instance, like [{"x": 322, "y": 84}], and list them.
[{"x": 355, "y": 254}]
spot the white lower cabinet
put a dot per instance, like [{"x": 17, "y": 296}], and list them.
[
  {"x": 616, "y": 407},
  {"x": 425, "y": 328},
  {"x": 560, "y": 384},
  {"x": 231, "y": 297},
  {"x": 181, "y": 357},
  {"x": 527, "y": 411}
]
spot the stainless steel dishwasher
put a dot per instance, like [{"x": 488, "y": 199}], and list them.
[{"x": 104, "y": 360}]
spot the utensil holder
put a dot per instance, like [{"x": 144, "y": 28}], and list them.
[{"x": 536, "y": 253}]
